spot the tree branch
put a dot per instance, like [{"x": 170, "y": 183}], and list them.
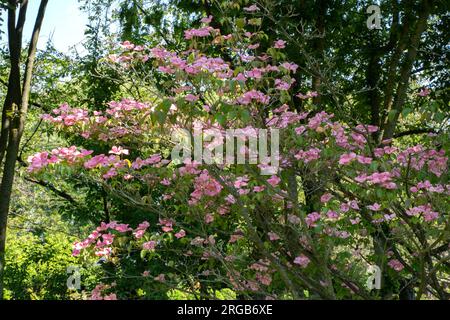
[{"x": 414, "y": 131}]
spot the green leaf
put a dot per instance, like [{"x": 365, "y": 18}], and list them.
[{"x": 240, "y": 23}]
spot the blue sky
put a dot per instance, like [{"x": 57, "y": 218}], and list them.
[{"x": 64, "y": 23}]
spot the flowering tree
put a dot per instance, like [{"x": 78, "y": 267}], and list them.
[{"x": 340, "y": 201}]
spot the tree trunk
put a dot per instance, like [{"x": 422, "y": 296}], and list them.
[
  {"x": 405, "y": 74},
  {"x": 16, "y": 112}
]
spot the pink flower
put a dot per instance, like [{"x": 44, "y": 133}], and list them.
[
  {"x": 259, "y": 189},
  {"x": 312, "y": 218},
  {"x": 430, "y": 216},
  {"x": 426, "y": 210},
  {"x": 139, "y": 234},
  {"x": 240, "y": 77},
  {"x": 241, "y": 182},
  {"x": 396, "y": 265},
  {"x": 108, "y": 239},
  {"x": 300, "y": 130},
  {"x": 180, "y": 234},
  {"x": 146, "y": 273},
  {"x": 374, "y": 207},
  {"x": 333, "y": 215},
  {"x": 207, "y": 20},
  {"x": 290, "y": 66},
  {"x": 235, "y": 237},
  {"x": 111, "y": 296},
  {"x": 205, "y": 185},
  {"x": 119, "y": 151},
  {"x": 346, "y": 158},
  {"x": 103, "y": 252},
  {"x": 251, "y": 8},
  {"x": 201, "y": 32},
  {"x": 38, "y": 161},
  {"x": 309, "y": 155},
  {"x": 424, "y": 92},
  {"x": 191, "y": 98},
  {"x": 325, "y": 197},
  {"x": 283, "y": 85},
  {"x": 273, "y": 236},
  {"x": 264, "y": 279},
  {"x": 354, "y": 205},
  {"x": 127, "y": 45},
  {"x": 345, "y": 207},
  {"x": 253, "y": 95},
  {"x": 165, "y": 182},
  {"x": 274, "y": 181},
  {"x": 150, "y": 245},
  {"x": 209, "y": 218},
  {"x": 230, "y": 199},
  {"x": 165, "y": 69},
  {"x": 308, "y": 95},
  {"x": 302, "y": 261},
  {"x": 120, "y": 227},
  {"x": 160, "y": 278},
  {"x": 167, "y": 225},
  {"x": 280, "y": 44},
  {"x": 364, "y": 160}
]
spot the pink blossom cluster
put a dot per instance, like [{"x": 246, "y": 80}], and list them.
[
  {"x": 200, "y": 32},
  {"x": 383, "y": 179},
  {"x": 338, "y": 132},
  {"x": 152, "y": 160},
  {"x": 367, "y": 128},
  {"x": 347, "y": 158},
  {"x": 67, "y": 116},
  {"x": 302, "y": 260},
  {"x": 426, "y": 210},
  {"x": 416, "y": 157},
  {"x": 379, "y": 152},
  {"x": 70, "y": 155},
  {"x": 131, "y": 53},
  {"x": 285, "y": 119},
  {"x": 205, "y": 185},
  {"x": 396, "y": 265},
  {"x": 216, "y": 66},
  {"x": 97, "y": 293},
  {"x": 190, "y": 167},
  {"x": 141, "y": 229},
  {"x": 279, "y": 44},
  {"x": 118, "y": 109},
  {"x": 312, "y": 218},
  {"x": 253, "y": 95},
  {"x": 426, "y": 185},
  {"x": 307, "y": 95},
  {"x": 283, "y": 85},
  {"x": 251, "y": 8},
  {"x": 290, "y": 66},
  {"x": 166, "y": 225},
  {"x": 309, "y": 155},
  {"x": 161, "y": 53},
  {"x": 424, "y": 92},
  {"x": 102, "y": 237},
  {"x": 318, "y": 119}
]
